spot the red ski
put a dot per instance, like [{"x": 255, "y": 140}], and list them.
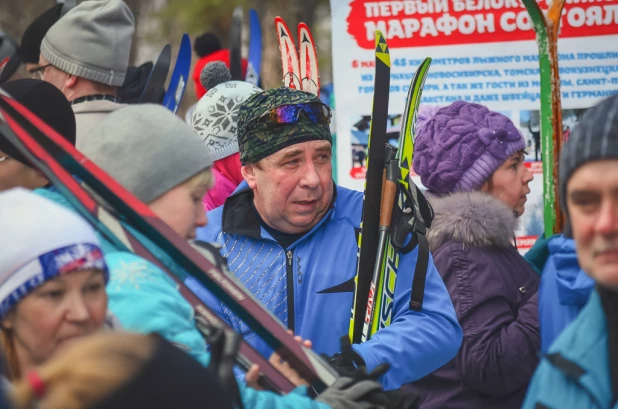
[
  {"x": 309, "y": 75},
  {"x": 289, "y": 56},
  {"x": 58, "y": 160}
]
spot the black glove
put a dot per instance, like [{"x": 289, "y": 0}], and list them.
[
  {"x": 359, "y": 389},
  {"x": 348, "y": 361},
  {"x": 362, "y": 391},
  {"x": 134, "y": 83}
]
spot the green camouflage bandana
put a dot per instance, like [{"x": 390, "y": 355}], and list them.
[{"x": 257, "y": 140}]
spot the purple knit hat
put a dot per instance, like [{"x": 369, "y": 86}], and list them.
[{"x": 458, "y": 147}]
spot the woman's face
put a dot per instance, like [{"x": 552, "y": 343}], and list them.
[
  {"x": 57, "y": 313},
  {"x": 509, "y": 183}
]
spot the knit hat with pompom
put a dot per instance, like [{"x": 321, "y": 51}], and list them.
[
  {"x": 215, "y": 117},
  {"x": 459, "y": 146}
]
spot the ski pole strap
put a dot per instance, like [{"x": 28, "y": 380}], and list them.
[
  {"x": 212, "y": 253},
  {"x": 420, "y": 273},
  {"x": 413, "y": 218},
  {"x": 224, "y": 347}
]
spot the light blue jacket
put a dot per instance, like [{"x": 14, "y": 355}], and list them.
[
  {"x": 313, "y": 277},
  {"x": 146, "y": 300},
  {"x": 564, "y": 290},
  {"x": 575, "y": 373}
]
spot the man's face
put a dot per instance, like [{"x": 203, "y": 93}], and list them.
[
  {"x": 31, "y": 67},
  {"x": 592, "y": 200},
  {"x": 293, "y": 188},
  {"x": 53, "y": 75}
]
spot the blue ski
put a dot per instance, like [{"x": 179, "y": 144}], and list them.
[
  {"x": 255, "y": 49},
  {"x": 178, "y": 81}
]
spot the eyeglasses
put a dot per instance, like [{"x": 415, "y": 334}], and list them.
[
  {"x": 4, "y": 158},
  {"x": 38, "y": 72},
  {"x": 316, "y": 112}
]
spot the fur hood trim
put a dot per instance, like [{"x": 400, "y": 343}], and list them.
[{"x": 473, "y": 218}]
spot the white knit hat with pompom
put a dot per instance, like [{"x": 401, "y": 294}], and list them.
[{"x": 216, "y": 114}]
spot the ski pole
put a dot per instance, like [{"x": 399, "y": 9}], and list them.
[
  {"x": 207, "y": 329},
  {"x": 389, "y": 190}
]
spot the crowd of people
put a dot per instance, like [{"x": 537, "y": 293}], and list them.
[{"x": 86, "y": 324}]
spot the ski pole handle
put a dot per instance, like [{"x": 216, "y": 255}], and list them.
[{"x": 389, "y": 186}]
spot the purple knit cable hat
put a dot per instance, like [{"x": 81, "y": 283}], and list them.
[{"x": 459, "y": 146}]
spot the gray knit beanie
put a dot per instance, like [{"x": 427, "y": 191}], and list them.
[
  {"x": 593, "y": 138},
  {"x": 215, "y": 117},
  {"x": 92, "y": 41},
  {"x": 147, "y": 149}
]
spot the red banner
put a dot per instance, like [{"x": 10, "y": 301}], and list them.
[
  {"x": 423, "y": 23},
  {"x": 525, "y": 242}
]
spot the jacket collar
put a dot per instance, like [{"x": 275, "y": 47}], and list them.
[
  {"x": 238, "y": 215},
  {"x": 96, "y": 97},
  {"x": 474, "y": 218},
  {"x": 239, "y": 218},
  {"x": 96, "y": 107},
  {"x": 574, "y": 285},
  {"x": 581, "y": 352}
]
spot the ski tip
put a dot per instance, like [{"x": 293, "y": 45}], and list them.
[
  {"x": 282, "y": 28},
  {"x": 185, "y": 40},
  {"x": 533, "y": 5},
  {"x": 425, "y": 64},
  {"x": 237, "y": 12},
  {"x": 555, "y": 11},
  {"x": 381, "y": 44},
  {"x": 304, "y": 34},
  {"x": 382, "y": 52}
]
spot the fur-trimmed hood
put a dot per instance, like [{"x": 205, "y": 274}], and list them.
[{"x": 473, "y": 218}]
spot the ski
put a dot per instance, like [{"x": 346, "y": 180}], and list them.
[
  {"x": 50, "y": 151},
  {"x": 3, "y": 64},
  {"x": 108, "y": 224},
  {"x": 155, "y": 85},
  {"x": 551, "y": 110},
  {"x": 309, "y": 73},
  {"x": 235, "y": 45},
  {"x": 254, "y": 62},
  {"x": 407, "y": 133},
  {"x": 388, "y": 255},
  {"x": 180, "y": 75},
  {"x": 289, "y": 56},
  {"x": 368, "y": 236}
]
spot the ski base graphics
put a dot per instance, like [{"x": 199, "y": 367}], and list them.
[
  {"x": 368, "y": 237},
  {"x": 180, "y": 76}
]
